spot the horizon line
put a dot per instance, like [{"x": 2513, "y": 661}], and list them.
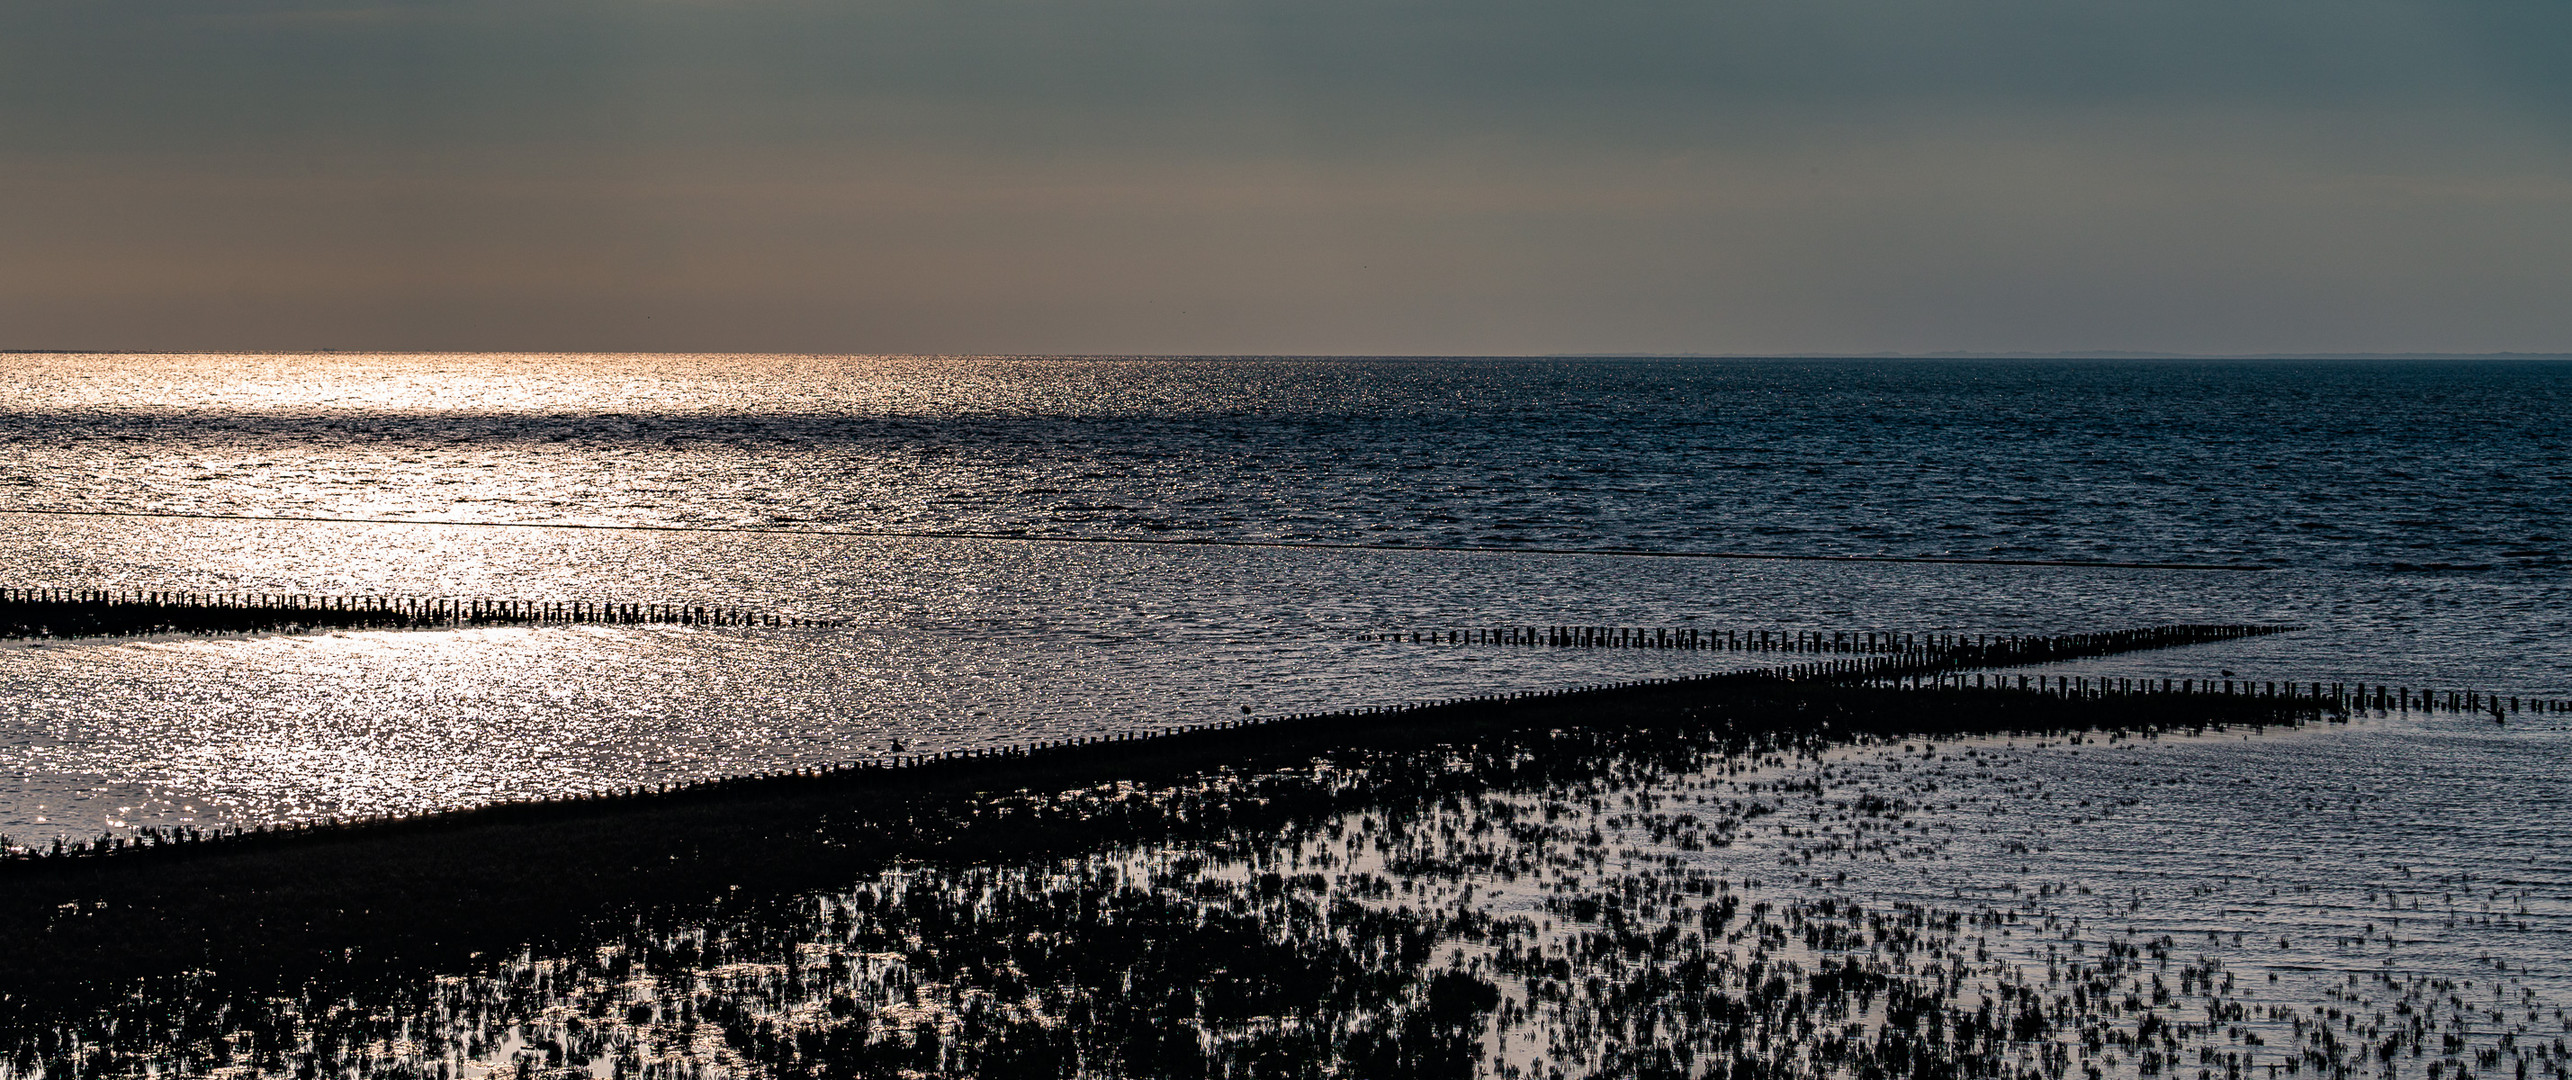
[{"x": 2020, "y": 354}]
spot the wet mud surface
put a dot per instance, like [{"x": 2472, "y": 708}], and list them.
[{"x": 1723, "y": 899}]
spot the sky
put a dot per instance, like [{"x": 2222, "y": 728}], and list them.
[{"x": 1287, "y": 176}]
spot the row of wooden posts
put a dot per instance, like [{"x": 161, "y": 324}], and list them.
[
  {"x": 39, "y": 612},
  {"x": 1922, "y": 669},
  {"x": 1938, "y": 663},
  {"x": 1837, "y": 642},
  {"x": 2341, "y": 695},
  {"x": 1984, "y": 650},
  {"x": 110, "y": 612}
]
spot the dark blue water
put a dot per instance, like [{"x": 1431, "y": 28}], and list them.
[
  {"x": 2359, "y": 465},
  {"x": 2410, "y": 515}
]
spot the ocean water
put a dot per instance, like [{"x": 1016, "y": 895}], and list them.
[
  {"x": 999, "y": 534},
  {"x": 2382, "y": 466},
  {"x": 1039, "y": 548}
]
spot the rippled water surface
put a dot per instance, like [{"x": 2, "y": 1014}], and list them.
[
  {"x": 2305, "y": 464},
  {"x": 2411, "y": 515}
]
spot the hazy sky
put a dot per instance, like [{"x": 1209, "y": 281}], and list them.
[{"x": 1241, "y": 176}]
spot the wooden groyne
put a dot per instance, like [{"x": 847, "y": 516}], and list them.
[
  {"x": 2339, "y": 696},
  {"x": 1078, "y": 760},
  {"x": 267, "y": 911},
  {"x": 1874, "y": 642},
  {"x": 70, "y": 613},
  {"x": 1936, "y": 659},
  {"x": 1865, "y": 697},
  {"x": 1935, "y": 674},
  {"x": 328, "y": 910}
]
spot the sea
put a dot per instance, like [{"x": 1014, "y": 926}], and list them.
[
  {"x": 1028, "y": 548},
  {"x": 1020, "y": 548}
]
